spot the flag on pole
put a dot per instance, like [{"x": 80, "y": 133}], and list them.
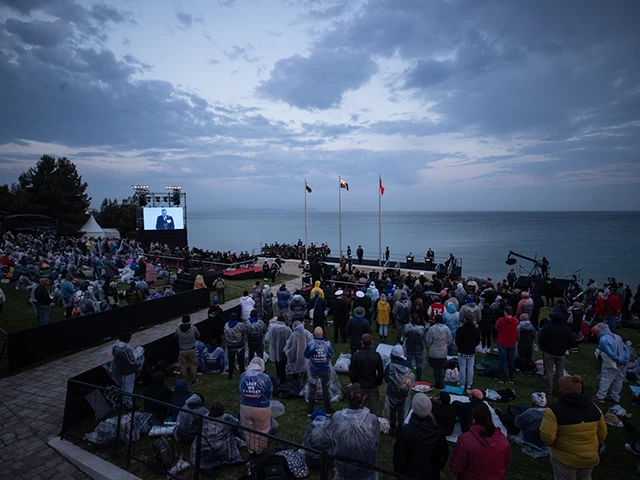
[
  {"x": 381, "y": 187},
  {"x": 344, "y": 184},
  {"x": 306, "y": 185}
]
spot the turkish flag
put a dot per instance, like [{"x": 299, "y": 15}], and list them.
[{"x": 381, "y": 187}]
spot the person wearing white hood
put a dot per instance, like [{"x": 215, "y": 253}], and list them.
[
  {"x": 255, "y": 404},
  {"x": 247, "y": 304},
  {"x": 294, "y": 350},
  {"x": 374, "y": 291}
]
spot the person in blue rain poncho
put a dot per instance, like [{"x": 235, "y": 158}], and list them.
[
  {"x": 615, "y": 355},
  {"x": 255, "y": 404},
  {"x": 399, "y": 378}
]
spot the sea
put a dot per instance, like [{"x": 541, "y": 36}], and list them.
[{"x": 597, "y": 245}]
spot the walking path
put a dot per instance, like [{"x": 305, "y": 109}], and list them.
[{"x": 32, "y": 405}]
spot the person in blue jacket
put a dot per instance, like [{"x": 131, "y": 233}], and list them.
[
  {"x": 212, "y": 358},
  {"x": 615, "y": 355},
  {"x": 284, "y": 297},
  {"x": 320, "y": 354},
  {"x": 255, "y": 404}
]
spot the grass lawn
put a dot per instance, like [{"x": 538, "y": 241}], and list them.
[{"x": 616, "y": 461}]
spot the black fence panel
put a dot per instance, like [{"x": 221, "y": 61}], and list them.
[{"x": 29, "y": 346}]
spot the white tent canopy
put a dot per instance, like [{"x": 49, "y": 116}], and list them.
[{"x": 92, "y": 229}]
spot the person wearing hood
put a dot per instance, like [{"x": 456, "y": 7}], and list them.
[
  {"x": 388, "y": 290},
  {"x": 399, "y": 378},
  {"x": 340, "y": 307},
  {"x": 482, "y": 453},
  {"x": 298, "y": 307},
  {"x": 574, "y": 428},
  {"x": 294, "y": 350},
  {"x": 355, "y": 434},
  {"x": 319, "y": 352},
  {"x": 255, "y": 389},
  {"x": 438, "y": 339},
  {"x": 246, "y": 305},
  {"x": 317, "y": 289},
  {"x": 615, "y": 356},
  {"x": 526, "y": 339},
  {"x": 187, "y": 334},
  {"x": 383, "y": 310},
  {"x": 528, "y": 424},
  {"x": 452, "y": 320},
  {"x": 256, "y": 294},
  {"x": 159, "y": 392},
  {"x": 554, "y": 340},
  {"x": 507, "y": 328},
  {"x": 467, "y": 339},
  {"x": 234, "y": 334},
  {"x": 277, "y": 336},
  {"x": 471, "y": 308},
  {"x": 199, "y": 284},
  {"x": 461, "y": 294},
  {"x": 402, "y": 313},
  {"x": 421, "y": 449},
  {"x": 375, "y": 293},
  {"x": 267, "y": 303},
  {"x": 317, "y": 437},
  {"x": 188, "y": 423},
  {"x": 356, "y": 327},
  {"x": 218, "y": 444},
  {"x": 317, "y": 307},
  {"x": 180, "y": 395},
  {"x": 124, "y": 366},
  {"x": 256, "y": 331},
  {"x": 212, "y": 359},
  {"x": 525, "y": 305},
  {"x": 283, "y": 297}
]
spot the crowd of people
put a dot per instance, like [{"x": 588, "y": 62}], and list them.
[{"x": 295, "y": 251}]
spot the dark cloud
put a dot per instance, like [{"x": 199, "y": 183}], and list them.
[
  {"x": 184, "y": 18},
  {"x": 318, "y": 81},
  {"x": 38, "y": 32},
  {"x": 237, "y": 52}
]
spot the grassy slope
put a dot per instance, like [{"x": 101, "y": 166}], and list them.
[{"x": 293, "y": 423}]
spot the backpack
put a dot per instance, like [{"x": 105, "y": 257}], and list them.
[
  {"x": 273, "y": 468},
  {"x": 165, "y": 452}
]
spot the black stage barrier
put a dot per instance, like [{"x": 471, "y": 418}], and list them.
[
  {"x": 29, "y": 346},
  {"x": 173, "y": 238}
]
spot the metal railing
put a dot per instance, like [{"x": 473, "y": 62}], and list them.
[
  {"x": 126, "y": 438},
  {"x": 179, "y": 262}
]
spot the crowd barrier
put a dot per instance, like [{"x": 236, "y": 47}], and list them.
[{"x": 29, "y": 346}]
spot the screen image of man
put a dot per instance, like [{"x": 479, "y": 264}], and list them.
[{"x": 165, "y": 222}]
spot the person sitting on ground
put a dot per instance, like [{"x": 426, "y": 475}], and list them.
[
  {"x": 317, "y": 437},
  {"x": 320, "y": 354},
  {"x": 187, "y": 334},
  {"x": 482, "y": 453},
  {"x": 255, "y": 389},
  {"x": 356, "y": 327},
  {"x": 399, "y": 378},
  {"x": 355, "y": 434},
  {"x": 159, "y": 392},
  {"x": 188, "y": 423},
  {"x": 180, "y": 395},
  {"x": 444, "y": 413},
  {"x": 256, "y": 330},
  {"x": 234, "y": 334},
  {"x": 218, "y": 444},
  {"x": 133, "y": 294},
  {"x": 277, "y": 336},
  {"x": 464, "y": 410},
  {"x": 294, "y": 349},
  {"x": 367, "y": 370},
  {"x": 421, "y": 449},
  {"x": 574, "y": 428},
  {"x": 438, "y": 339},
  {"x": 247, "y": 304},
  {"x": 212, "y": 359},
  {"x": 526, "y": 339},
  {"x": 527, "y": 422}
]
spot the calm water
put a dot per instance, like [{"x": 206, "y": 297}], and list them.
[{"x": 601, "y": 244}]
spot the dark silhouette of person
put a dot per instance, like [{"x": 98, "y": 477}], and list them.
[
  {"x": 165, "y": 222},
  {"x": 360, "y": 254}
]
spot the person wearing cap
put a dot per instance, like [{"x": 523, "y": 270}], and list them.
[
  {"x": 438, "y": 339},
  {"x": 187, "y": 334},
  {"x": 383, "y": 313},
  {"x": 317, "y": 437},
  {"x": 421, "y": 449},
  {"x": 355, "y": 434},
  {"x": 615, "y": 355},
  {"x": 402, "y": 313},
  {"x": 320, "y": 354},
  {"x": 399, "y": 378},
  {"x": 471, "y": 308},
  {"x": 340, "y": 307},
  {"x": 356, "y": 327},
  {"x": 554, "y": 340},
  {"x": 255, "y": 389},
  {"x": 574, "y": 428},
  {"x": 367, "y": 370},
  {"x": 235, "y": 334},
  {"x": 363, "y": 301},
  {"x": 482, "y": 453}
]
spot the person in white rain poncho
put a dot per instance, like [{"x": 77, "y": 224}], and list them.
[
  {"x": 355, "y": 434},
  {"x": 277, "y": 336},
  {"x": 218, "y": 445},
  {"x": 297, "y": 307},
  {"x": 294, "y": 350},
  {"x": 246, "y": 305}
]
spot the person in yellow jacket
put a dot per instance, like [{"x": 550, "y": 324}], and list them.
[
  {"x": 199, "y": 283},
  {"x": 574, "y": 428},
  {"x": 315, "y": 289},
  {"x": 383, "y": 310}
]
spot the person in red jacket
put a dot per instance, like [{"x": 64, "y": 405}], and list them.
[
  {"x": 613, "y": 308},
  {"x": 507, "y": 328},
  {"x": 599, "y": 310},
  {"x": 483, "y": 453}
]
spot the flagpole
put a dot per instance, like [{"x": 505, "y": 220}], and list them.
[
  {"x": 379, "y": 221},
  {"x": 340, "y": 211},
  {"x": 305, "y": 219}
]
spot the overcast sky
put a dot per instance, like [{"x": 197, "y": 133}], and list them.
[{"x": 477, "y": 104}]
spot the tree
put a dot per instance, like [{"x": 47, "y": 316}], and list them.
[
  {"x": 118, "y": 215},
  {"x": 54, "y": 188}
]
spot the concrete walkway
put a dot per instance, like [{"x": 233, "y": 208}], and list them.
[{"x": 32, "y": 404}]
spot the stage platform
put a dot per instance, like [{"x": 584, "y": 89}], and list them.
[{"x": 243, "y": 273}]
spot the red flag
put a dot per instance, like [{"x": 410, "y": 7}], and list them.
[{"x": 381, "y": 187}]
